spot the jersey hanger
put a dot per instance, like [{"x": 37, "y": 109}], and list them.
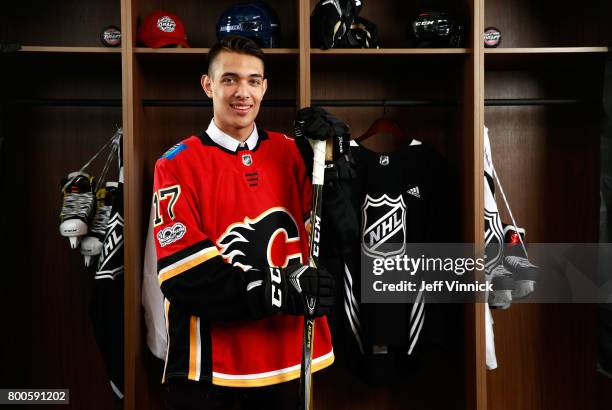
[{"x": 384, "y": 125}]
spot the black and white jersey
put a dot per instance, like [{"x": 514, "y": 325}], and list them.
[
  {"x": 494, "y": 231},
  {"x": 106, "y": 309},
  {"x": 400, "y": 197}
]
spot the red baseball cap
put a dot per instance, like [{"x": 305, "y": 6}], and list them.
[{"x": 161, "y": 29}]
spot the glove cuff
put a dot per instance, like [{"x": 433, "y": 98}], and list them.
[{"x": 266, "y": 292}]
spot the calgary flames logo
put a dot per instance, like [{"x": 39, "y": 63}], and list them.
[{"x": 271, "y": 239}]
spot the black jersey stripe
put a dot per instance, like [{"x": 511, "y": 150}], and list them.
[{"x": 183, "y": 253}]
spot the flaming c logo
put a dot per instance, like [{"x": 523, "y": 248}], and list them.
[{"x": 270, "y": 239}]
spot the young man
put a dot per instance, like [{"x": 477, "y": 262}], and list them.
[{"x": 231, "y": 209}]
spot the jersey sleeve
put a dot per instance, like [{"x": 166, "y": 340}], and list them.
[
  {"x": 302, "y": 154},
  {"x": 192, "y": 274}
]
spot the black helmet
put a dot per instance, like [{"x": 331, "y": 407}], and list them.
[{"x": 436, "y": 29}]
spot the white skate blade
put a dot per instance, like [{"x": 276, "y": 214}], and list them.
[
  {"x": 74, "y": 242},
  {"x": 87, "y": 260}
]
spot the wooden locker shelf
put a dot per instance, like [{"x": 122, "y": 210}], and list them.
[
  {"x": 73, "y": 50},
  {"x": 390, "y": 51},
  {"x": 267, "y": 51},
  {"x": 545, "y": 50}
]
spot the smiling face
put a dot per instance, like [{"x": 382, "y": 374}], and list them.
[{"x": 236, "y": 84}]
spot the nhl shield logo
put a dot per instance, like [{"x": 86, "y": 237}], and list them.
[
  {"x": 384, "y": 221},
  {"x": 247, "y": 159},
  {"x": 384, "y": 160}
]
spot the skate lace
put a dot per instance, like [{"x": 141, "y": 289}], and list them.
[
  {"x": 77, "y": 205},
  {"x": 101, "y": 219}
]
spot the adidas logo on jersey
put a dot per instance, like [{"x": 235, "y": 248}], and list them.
[{"x": 414, "y": 192}]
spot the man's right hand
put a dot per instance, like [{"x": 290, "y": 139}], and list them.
[{"x": 287, "y": 290}]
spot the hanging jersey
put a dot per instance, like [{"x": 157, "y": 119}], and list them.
[
  {"x": 152, "y": 297},
  {"x": 106, "y": 309},
  {"x": 494, "y": 232},
  {"x": 494, "y": 237},
  {"x": 246, "y": 207},
  {"x": 401, "y": 197}
]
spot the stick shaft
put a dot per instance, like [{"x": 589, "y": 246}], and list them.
[{"x": 318, "y": 172}]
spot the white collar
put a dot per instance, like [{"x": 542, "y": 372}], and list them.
[{"x": 228, "y": 142}]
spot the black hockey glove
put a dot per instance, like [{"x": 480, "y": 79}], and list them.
[
  {"x": 285, "y": 290},
  {"x": 317, "y": 124}
]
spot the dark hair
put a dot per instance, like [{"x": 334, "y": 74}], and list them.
[{"x": 235, "y": 44}]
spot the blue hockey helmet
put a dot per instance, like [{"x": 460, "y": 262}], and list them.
[{"x": 255, "y": 20}]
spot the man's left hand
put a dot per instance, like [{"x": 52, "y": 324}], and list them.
[{"x": 317, "y": 124}]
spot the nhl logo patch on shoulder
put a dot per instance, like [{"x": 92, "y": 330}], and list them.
[
  {"x": 384, "y": 222},
  {"x": 384, "y": 160},
  {"x": 247, "y": 159}
]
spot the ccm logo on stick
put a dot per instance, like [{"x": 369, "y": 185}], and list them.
[{"x": 317, "y": 236}]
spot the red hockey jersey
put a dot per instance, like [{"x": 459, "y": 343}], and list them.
[{"x": 218, "y": 203}]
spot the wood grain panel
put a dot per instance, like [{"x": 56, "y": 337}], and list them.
[
  {"x": 549, "y": 23},
  {"x": 183, "y": 81},
  {"x": 48, "y": 340},
  {"x": 548, "y": 155},
  {"x": 71, "y": 23},
  {"x": 70, "y": 76},
  {"x": 550, "y": 170},
  {"x": 138, "y": 394},
  {"x": 547, "y": 159},
  {"x": 388, "y": 77},
  {"x": 546, "y": 355},
  {"x": 472, "y": 200},
  {"x": 200, "y": 18},
  {"x": 395, "y": 78}
]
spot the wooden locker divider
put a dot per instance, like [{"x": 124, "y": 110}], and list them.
[
  {"x": 474, "y": 206},
  {"x": 304, "y": 47},
  {"x": 136, "y": 390}
]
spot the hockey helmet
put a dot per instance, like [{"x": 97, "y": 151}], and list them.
[
  {"x": 255, "y": 20},
  {"x": 436, "y": 29}
]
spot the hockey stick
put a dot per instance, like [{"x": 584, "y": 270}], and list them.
[{"x": 322, "y": 150}]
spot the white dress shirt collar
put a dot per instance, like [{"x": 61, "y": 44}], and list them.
[{"x": 228, "y": 142}]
